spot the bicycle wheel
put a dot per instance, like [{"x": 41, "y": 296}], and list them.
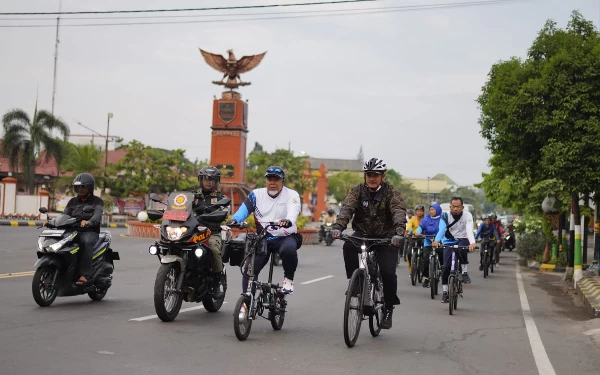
[
  {"x": 451, "y": 293},
  {"x": 241, "y": 322},
  {"x": 353, "y": 308},
  {"x": 420, "y": 270},
  {"x": 376, "y": 318},
  {"x": 277, "y": 314},
  {"x": 455, "y": 302},
  {"x": 413, "y": 269},
  {"x": 486, "y": 265},
  {"x": 492, "y": 267},
  {"x": 432, "y": 279}
]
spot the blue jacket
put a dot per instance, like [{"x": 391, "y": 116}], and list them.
[
  {"x": 486, "y": 232},
  {"x": 430, "y": 225}
]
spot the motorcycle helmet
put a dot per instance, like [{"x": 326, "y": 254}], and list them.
[
  {"x": 85, "y": 179},
  {"x": 331, "y": 211},
  {"x": 210, "y": 172}
]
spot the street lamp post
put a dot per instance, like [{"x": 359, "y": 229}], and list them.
[
  {"x": 110, "y": 115},
  {"x": 428, "y": 200}
]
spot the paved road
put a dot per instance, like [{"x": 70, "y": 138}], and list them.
[{"x": 487, "y": 335}]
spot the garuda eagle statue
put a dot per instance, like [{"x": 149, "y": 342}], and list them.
[{"x": 232, "y": 67}]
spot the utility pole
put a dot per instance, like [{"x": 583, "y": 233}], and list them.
[
  {"x": 56, "y": 55},
  {"x": 110, "y": 115}
]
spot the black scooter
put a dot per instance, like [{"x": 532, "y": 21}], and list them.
[{"x": 56, "y": 267}]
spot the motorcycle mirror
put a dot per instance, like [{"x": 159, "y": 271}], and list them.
[
  {"x": 155, "y": 197},
  {"x": 223, "y": 202},
  {"x": 88, "y": 209},
  {"x": 43, "y": 210}
]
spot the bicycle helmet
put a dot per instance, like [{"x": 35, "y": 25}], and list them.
[
  {"x": 275, "y": 171},
  {"x": 419, "y": 207},
  {"x": 85, "y": 179},
  {"x": 493, "y": 216},
  {"x": 375, "y": 165},
  {"x": 410, "y": 212}
]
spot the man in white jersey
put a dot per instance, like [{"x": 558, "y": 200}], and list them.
[
  {"x": 455, "y": 229},
  {"x": 274, "y": 203}
]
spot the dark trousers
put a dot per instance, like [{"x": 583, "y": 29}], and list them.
[
  {"x": 285, "y": 247},
  {"x": 426, "y": 254},
  {"x": 87, "y": 240},
  {"x": 448, "y": 259},
  {"x": 387, "y": 258}
]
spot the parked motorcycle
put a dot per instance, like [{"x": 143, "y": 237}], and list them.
[
  {"x": 186, "y": 260},
  {"x": 56, "y": 267}
]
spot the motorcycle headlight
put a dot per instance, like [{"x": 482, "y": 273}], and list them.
[
  {"x": 199, "y": 252},
  {"x": 175, "y": 233},
  {"x": 57, "y": 246},
  {"x": 41, "y": 244}
]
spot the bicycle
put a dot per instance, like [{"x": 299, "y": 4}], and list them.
[
  {"x": 366, "y": 289},
  {"x": 259, "y": 296},
  {"x": 416, "y": 263},
  {"x": 487, "y": 260},
  {"x": 435, "y": 270},
  {"x": 455, "y": 279}
]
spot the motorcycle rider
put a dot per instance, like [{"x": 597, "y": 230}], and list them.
[
  {"x": 207, "y": 195},
  {"x": 330, "y": 218},
  {"x": 88, "y": 230},
  {"x": 379, "y": 212},
  {"x": 488, "y": 232},
  {"x": 429, "y": 226},
  {"x": 510, "y": 231},
  {"x": 274, "y": 203}
]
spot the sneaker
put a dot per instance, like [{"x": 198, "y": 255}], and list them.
[
  {"x": 445, "y": 297},
  {"x": 497, "y": 265},
  {"x": 387, "y": 318},
  {"x": 466, "y": 278},
  {"x": 426, "y": 283},
  {"x": 288, "y": 286}
]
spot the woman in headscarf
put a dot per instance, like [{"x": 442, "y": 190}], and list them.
[{"x": 429, "y": 228}]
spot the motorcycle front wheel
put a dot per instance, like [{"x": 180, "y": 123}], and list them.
[
  {"x": 167, "y": 302},
  {"x": 43, "y": 293}
]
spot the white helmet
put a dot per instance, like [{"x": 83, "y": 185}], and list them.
[{"x": 375, "y": 165}]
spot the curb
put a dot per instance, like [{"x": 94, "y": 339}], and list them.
[
  {"x": 25, "y": 223},
  {"x": 545, "y": 267},
  {"x": 588, "y": 289}
]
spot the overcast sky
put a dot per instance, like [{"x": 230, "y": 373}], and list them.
[{"x": 401, "y": 84}]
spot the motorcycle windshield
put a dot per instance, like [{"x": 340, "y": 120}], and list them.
[
  {"x": 179, "y": 207},
  {"x": 63, "y": 220}
]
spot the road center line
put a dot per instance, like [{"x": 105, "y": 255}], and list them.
[
  {"x": 156, "y": 316},
  {"x": 16, "y": 274},
  {"x": 542, "y": 361},
  {"x": 319, "y": 279}
]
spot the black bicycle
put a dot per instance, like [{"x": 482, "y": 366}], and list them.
[
  {"x": 259, "y": 297},
  {"x": 488, "y": 247},
  {"x": 435, "y": 270},
  {"x": 364, "y": 297},
  {"x": 416, "y": 261},
  {"x": 455, "y": 279}
]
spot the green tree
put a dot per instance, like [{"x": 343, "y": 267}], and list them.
[
  {"x": 340, "y": 184},
  {"x": 410, "y": 195},
  {"x": 146, "y": 169},
  {"x": 26, "y": 138},
  {"x": 540, "y": 119},
  {"x": 80, "y": 159}
]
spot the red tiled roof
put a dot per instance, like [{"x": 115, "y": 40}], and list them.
[{"x": 49, "y": 168}]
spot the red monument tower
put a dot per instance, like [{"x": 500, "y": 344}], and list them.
[{"x": 230, "y": 124}]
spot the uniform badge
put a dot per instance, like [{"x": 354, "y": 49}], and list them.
[{"x": 213, "y": 200}]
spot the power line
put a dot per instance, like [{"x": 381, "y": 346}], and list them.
[
  {"x": 234, "y": 14},
  {"x": 329, "y": 14},
  {"x": 187, "y": 9}
]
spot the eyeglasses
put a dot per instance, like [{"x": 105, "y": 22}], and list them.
[{"x": 275, "y": 170}]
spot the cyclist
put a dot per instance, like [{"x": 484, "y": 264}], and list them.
[
  {"x": 379, "y": 212},
  {"x": 411, "y": 228},
  {"x": 405, "y": 242},
  {"x": 274, "y": 203},
  {"x": 455, "y": 229},
  {"x": 499, "y": 244},
  {"x": 488, "y": 232},
  {"x": 430, "y": 226}
]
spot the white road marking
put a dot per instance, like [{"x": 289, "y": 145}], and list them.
[
  {"x": 592, "y": 332},
  {"x": 156, "y": 316},
  {"x": 105, "y": 352},
  {"x": 537, "y": 346},
  {"x": 319, "y": 279}
]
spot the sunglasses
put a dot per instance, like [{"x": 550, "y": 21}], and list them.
[{"x": 275, "y": 170}]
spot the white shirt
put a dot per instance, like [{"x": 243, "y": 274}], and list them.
[
  {"x": 266, "y": 209},
  {"x": 462, "y": 229}
]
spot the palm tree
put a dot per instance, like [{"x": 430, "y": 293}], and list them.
[
  {"x": 25, "y": 139},
  {"x": 81, "y": 159}
]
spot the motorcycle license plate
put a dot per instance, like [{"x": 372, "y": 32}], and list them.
[
  {"x": 176, "y": 215},
  {"x": 52, "y": 233}
]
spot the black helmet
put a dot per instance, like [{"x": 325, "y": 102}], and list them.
[
  {"x": 275, "y": 171},
  {"x": 85, "y": 179},
  {"x": 211, "y": 172},
  {"x": 494, "y": 216},
  {"x": 331, "y": 211},
  {"x": 419, "y": 207}
]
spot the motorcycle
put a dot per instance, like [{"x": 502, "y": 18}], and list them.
[
  {"x": 57, "y": 261},
  {"x": 509, "y": 241},
  {"x": 186, "y": 259},
  {"x": 328, "y": 236}
]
